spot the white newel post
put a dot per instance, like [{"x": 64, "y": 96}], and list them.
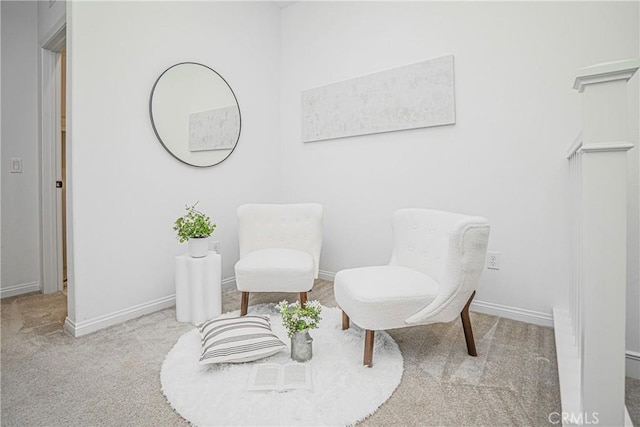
[{"x": 604, "y": 228}]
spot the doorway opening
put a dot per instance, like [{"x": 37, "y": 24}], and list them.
[
  {"x": 62, "y": 155},
  {"x": 57, "y": 271}
]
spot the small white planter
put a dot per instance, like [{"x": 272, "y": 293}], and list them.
[{"x": 198, "y": 247}]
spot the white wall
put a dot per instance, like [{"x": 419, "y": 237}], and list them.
[
  {"x": 127, "y": 190},
  {"x": 516, "y": 114},
  {"x": 20, "y": 191}
]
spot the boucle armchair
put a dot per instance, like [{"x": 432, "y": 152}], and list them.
[
  {"x": 435, "y": 266},
  {"x": 279, "y": 249}
]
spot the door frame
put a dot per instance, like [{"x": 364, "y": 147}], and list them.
[{"x": 50, "y": 142}]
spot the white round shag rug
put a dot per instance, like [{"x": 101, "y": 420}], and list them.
[{"x": 344, "y": 391}]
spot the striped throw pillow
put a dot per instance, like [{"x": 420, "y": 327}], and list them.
[{"x": 238, "y": 339}]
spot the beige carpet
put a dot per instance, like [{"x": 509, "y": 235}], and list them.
[{"x": 111, "y": 377}]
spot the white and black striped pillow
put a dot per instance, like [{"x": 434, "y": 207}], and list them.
[{"x": 238, "y": 339}]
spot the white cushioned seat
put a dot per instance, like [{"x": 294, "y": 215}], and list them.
[
  {"x": 275, "y": 270},
  {"x": 435, "y": 265},
  {"x": 383, "y": 297},
  {"x": 279, "y": 247}
]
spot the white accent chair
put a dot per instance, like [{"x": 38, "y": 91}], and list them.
[
  {"x": 279, "y": 249},
  {"x": 435, "y": 266}
]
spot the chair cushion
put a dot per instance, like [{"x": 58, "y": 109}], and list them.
[
  {"x": 238, "y": 339},
  {"x": 383, "y": 297},
  {"x": 275, "y": 270}
]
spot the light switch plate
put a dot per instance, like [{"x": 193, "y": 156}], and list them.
[{"x": 16, "y": 165}]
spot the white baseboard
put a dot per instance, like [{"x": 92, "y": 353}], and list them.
[
  {"x": 88, "y": 326},
  {"x": 23, "y": 288},
  {"x": 326, "y": 275},
  {"x": 229, "y": 283},
  {"x": 515, "y": 313},
  {"x": 633, "y": 364},
  {"x": 101, "y": 322}
]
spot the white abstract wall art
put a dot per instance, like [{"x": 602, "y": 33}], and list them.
[
  {"x": 413, "y": 96},
  {"x": 215, "y": 129}
]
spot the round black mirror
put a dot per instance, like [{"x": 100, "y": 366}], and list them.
[{"x": 195, "y": 114}]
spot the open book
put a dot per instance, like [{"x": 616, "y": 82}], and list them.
[{"x": 274, "y": 376}]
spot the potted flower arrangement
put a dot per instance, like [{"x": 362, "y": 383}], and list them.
[
  {"x": 194, "y": 227},
  {"x": 298, "y": 320}
]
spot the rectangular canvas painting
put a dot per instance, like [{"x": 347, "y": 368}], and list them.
[
  {"x": 215, "y": 129},
  {"x": 413, "y": 96}
]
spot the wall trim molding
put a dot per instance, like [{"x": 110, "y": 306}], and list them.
[
  {"x": 604, "y": 147},
  {"x": 605, "y": 72},
  {"x": 22, "y": 288},
  {"x": 632, "y": 359},
  {"x": 56, "y": 37},
  {"x": 515, "y": 313},
  {"x": 78, "y": 329},
  {"x": 88, "y": 326},
  {"x": 326, "y": 275},
  {"x": 228, "y": 283}
]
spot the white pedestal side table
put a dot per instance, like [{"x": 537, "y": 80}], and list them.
[{"x": 198, "y": 288}]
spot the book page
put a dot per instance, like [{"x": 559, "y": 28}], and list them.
[
  {"x": 267, "y": 376},
  {"x": 264, "y": 376},
  {"x": 294, "y": 375},
  {"x": 273, "y": 376}
]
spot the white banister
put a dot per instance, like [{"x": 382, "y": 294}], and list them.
[{"x": 590, "y": 326}]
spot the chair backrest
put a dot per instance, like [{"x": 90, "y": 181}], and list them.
[
  {"x": 448, "y": 247},
  {"x": 291, "y": 226}
]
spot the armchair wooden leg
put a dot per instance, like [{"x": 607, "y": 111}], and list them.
[
  {"x": 368, "y": 348},
  {"x": 466, "y": 326},
  {"x": 345, "y": 321},
  {"x": 303, "y": 299},
  {"x": 244, "y": 305}
]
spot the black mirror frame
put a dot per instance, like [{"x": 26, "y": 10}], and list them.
[{"x": 155, "y": 130}]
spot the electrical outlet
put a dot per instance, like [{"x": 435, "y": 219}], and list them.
[
  {"x": 215, "y": 246},
  {"x": 16, "y": 165},
  {"x": 493, "y": 260}
]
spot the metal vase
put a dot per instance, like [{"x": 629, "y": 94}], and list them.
[{"x": 301, "y": 346}]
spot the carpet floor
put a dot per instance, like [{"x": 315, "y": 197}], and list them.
[{"x": 112, "y": 377}]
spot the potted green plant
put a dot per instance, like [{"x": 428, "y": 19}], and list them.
[
  {"x": 298, "y": 320},
  {"x": 195, "y": 228}
]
